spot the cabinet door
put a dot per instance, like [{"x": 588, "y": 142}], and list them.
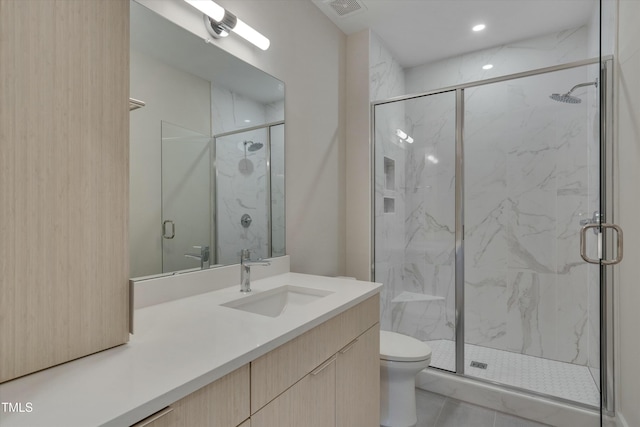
[
  {"x": 309, "y": 403},
  {"x": 276, "y": 371},
  {"x": 358, "y": 381},
  {"x": 64, "y": 181}
]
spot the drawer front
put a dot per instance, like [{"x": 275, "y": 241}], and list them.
[
  {"x": 223, "y": 403},
  {"x": 309, "y": 403},
  {"x": 274, "y": 372},
  {"x": 163, "y": 418}
]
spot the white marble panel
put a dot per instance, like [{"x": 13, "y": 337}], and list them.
[
  {"x": 386, "y": 76},
  {"x": 241, "y": 188},
  {"x": 278, "y": 225},
  {"x": 232, "y": 111},
  {"x": 572, "y": 328},
  {"x": 486, "y": 297},
  {"x": 531, "y": 313},
  {"x": 552, "y": 49}
]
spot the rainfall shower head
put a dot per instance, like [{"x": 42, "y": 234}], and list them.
[
  {"x": 252, "y": 146},
  {"x": 567, "y": 98}
]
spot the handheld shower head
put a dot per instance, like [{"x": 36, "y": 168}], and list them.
[{"x": 567, "y": 98}]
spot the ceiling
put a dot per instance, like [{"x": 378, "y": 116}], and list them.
[{"x": 422, "y": 31}]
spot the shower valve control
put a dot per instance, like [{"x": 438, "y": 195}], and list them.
[{"x": 245, "y": 220}]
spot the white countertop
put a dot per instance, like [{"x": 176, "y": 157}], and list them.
[{"x": 178, "y": 347}]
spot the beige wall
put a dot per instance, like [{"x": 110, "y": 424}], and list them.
[
  {"x": 308, "y": 53},
  {"x": 628, "y": 140},
  {"x": 358, "y": 242}
]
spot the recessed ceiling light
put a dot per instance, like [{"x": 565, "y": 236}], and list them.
[
  {"x": 479, "y": 27},
  {"x": 247, "y": 121},
  {"x": 487, "y": 67}
]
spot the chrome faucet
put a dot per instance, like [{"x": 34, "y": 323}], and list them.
[
  {"x": 245, "y": 270},
  {"x": 203, "y": 256}
]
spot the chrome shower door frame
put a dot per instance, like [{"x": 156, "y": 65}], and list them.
[{"x": 606, "y": 208}]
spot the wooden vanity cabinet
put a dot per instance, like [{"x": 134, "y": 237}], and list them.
[
  {"x": 358, "y": 381},
  {"x": 326, "y": 377},
  {"x": 223, "y": 403}
]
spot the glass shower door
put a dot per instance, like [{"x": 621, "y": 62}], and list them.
[
  {"x": 186, "y": 198},
  {"x": 532, "y": 179},
  {"x": 414, "y": 209}
]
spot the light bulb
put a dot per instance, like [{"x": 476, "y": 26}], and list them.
[
  {"x": 209, "y": 8},
  {"x": 251, "y": 35}
]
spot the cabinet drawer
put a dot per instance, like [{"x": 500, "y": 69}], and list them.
[
  {"x": 163, "y": 418},
  {"x": 274, "y": 372},
  {"x": 310, "y": 402},
  {"x": 222, "y": 403}
]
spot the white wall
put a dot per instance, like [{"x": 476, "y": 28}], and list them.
[
  {"x": 628, "y": 144},
  {"x": 308, "y": 53}
]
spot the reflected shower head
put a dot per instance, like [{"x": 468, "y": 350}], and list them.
[
  {"x": 567, "y": 98},
  {"x": 253, "y": 146}
]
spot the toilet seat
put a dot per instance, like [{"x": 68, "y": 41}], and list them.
[{"x": 401, "y": 348}]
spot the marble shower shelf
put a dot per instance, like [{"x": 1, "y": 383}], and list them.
[{"x": 415, "y": 297}]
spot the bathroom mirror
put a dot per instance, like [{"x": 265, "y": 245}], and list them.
[{"x": 206, "y": 153}]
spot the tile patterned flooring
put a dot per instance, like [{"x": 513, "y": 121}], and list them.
[
  {"x": 434, "y": 410},
  {"x": 565, "y": 380}
]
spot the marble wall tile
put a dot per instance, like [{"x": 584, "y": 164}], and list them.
[
  {"x": 538, "y": 52},
  {"x": 486, "y": 301},
  {"x": 241, "y": 188},
  {"x": 531, "y": 313},
  {"x": 386, "y": 76}
]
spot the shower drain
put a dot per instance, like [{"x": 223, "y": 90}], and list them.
[{"x": 480, "y": 365}]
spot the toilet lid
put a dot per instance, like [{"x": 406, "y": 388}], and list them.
[{"x": 402, "y": 348}]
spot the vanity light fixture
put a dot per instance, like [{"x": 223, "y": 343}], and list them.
[
  {"x": 220, "y": 22},
  {"x": 403, "y": 136},
  {"x": 433, "y": 159},
  {"x": 479, "y": 27},
  {"x": 487, "y": 67}
]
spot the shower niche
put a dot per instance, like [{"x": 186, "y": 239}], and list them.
[{"x": 389, "y": 205}]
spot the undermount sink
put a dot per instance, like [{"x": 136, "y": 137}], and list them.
[{"x": 275, "y": 301}]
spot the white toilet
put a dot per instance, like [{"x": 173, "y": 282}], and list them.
[{"x": 401, "y": 358}]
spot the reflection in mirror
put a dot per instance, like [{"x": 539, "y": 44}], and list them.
[
  {"x": 195, "y": 94},
  {"x": 247, "y": 188}
]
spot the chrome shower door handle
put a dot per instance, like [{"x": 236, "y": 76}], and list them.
[
  {"x": 583, "y": 244},
  {"x": 164, "y": 229}
]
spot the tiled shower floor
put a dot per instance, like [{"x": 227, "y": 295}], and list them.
[{"x": 565, "y": 380}]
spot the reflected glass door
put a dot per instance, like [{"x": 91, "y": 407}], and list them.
[
  {"x": 414, "y": 209},
  {"x": 186, "y": 198},
  {"x": 532, "y": 179}
]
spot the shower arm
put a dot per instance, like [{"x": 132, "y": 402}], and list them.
[{"x": 582, "y": 85}]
